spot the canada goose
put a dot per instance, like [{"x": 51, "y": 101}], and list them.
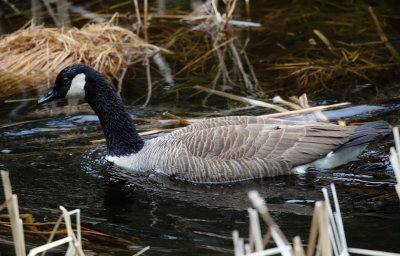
[{"x": 215, "y": 150}]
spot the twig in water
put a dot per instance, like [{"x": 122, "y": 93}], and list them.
[
  {"x": 142, "y": 251},
  {"x": 382, "y": 35},
  {"x": 17, "y": 123},
  {"x": 181, "y": 120},
  {"x": 304, "y": 103},
  {"x": 371, "y": 252},
  {"x": 20, "y": 100},
  {"x": 242, "y": 99},
  {"x": 307, "y": 110},
  {"x": 323, "y": 39},
  {"x": 279, "y": 100}
]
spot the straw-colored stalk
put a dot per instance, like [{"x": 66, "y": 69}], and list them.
[
  {"x": 13, "y": 210},
  {"x": 242, "y": 99},
  {"x": 34, "y": 54},
  {"x": 326, "y": 236}
]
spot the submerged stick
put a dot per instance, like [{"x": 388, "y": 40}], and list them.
[
  {"x": 324, "y": 39},
  {"x": 382, "y": 35},
  {"x": 242, "y": 99},
  {"x": 179, "y": 119}
]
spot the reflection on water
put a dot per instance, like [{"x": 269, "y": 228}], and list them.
[{"x": 52, "y": 162}]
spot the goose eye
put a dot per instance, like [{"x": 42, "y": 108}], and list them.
[{"x": 65, "y": 81}]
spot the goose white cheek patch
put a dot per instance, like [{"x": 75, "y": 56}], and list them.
[{"x": 77, "y": 91}]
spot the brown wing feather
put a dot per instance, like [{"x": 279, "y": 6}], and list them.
[
  {"x": 234, "y": 120},
  {"x": 234, "y": 148},
  {"x": 254, "y": 137}
]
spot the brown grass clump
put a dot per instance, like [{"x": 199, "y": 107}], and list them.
[{"x": 34, "y": 55}]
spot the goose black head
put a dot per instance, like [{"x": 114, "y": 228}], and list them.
[{"x": 70, "y": 83}]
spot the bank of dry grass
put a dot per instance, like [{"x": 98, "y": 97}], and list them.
[{"x": 34, "y": 55}]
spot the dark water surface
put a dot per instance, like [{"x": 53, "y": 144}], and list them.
[{"x": 52, "y": 162}]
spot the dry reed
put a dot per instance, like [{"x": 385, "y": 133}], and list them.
[
  {"x": 34, "y": 54},
  {"x": 23, "y": 225},
  {"x": 326, "y": 237}
]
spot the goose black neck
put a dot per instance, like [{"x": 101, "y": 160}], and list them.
[{"x": 118, "y": 127}]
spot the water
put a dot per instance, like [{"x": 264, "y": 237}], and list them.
[{"x": 53, "y": 162}]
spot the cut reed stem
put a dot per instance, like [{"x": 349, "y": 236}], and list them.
[{"x": 242, "y": 99}]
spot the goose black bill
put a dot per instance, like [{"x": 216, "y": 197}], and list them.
[{"x": 50, "y": 96}]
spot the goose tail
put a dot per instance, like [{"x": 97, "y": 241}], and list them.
[{"x": 367, "y": 133}]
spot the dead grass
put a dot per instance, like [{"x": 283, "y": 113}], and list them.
[
  {"x": 34, "y": 55},
  {"x": 323, "y": 45}
]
